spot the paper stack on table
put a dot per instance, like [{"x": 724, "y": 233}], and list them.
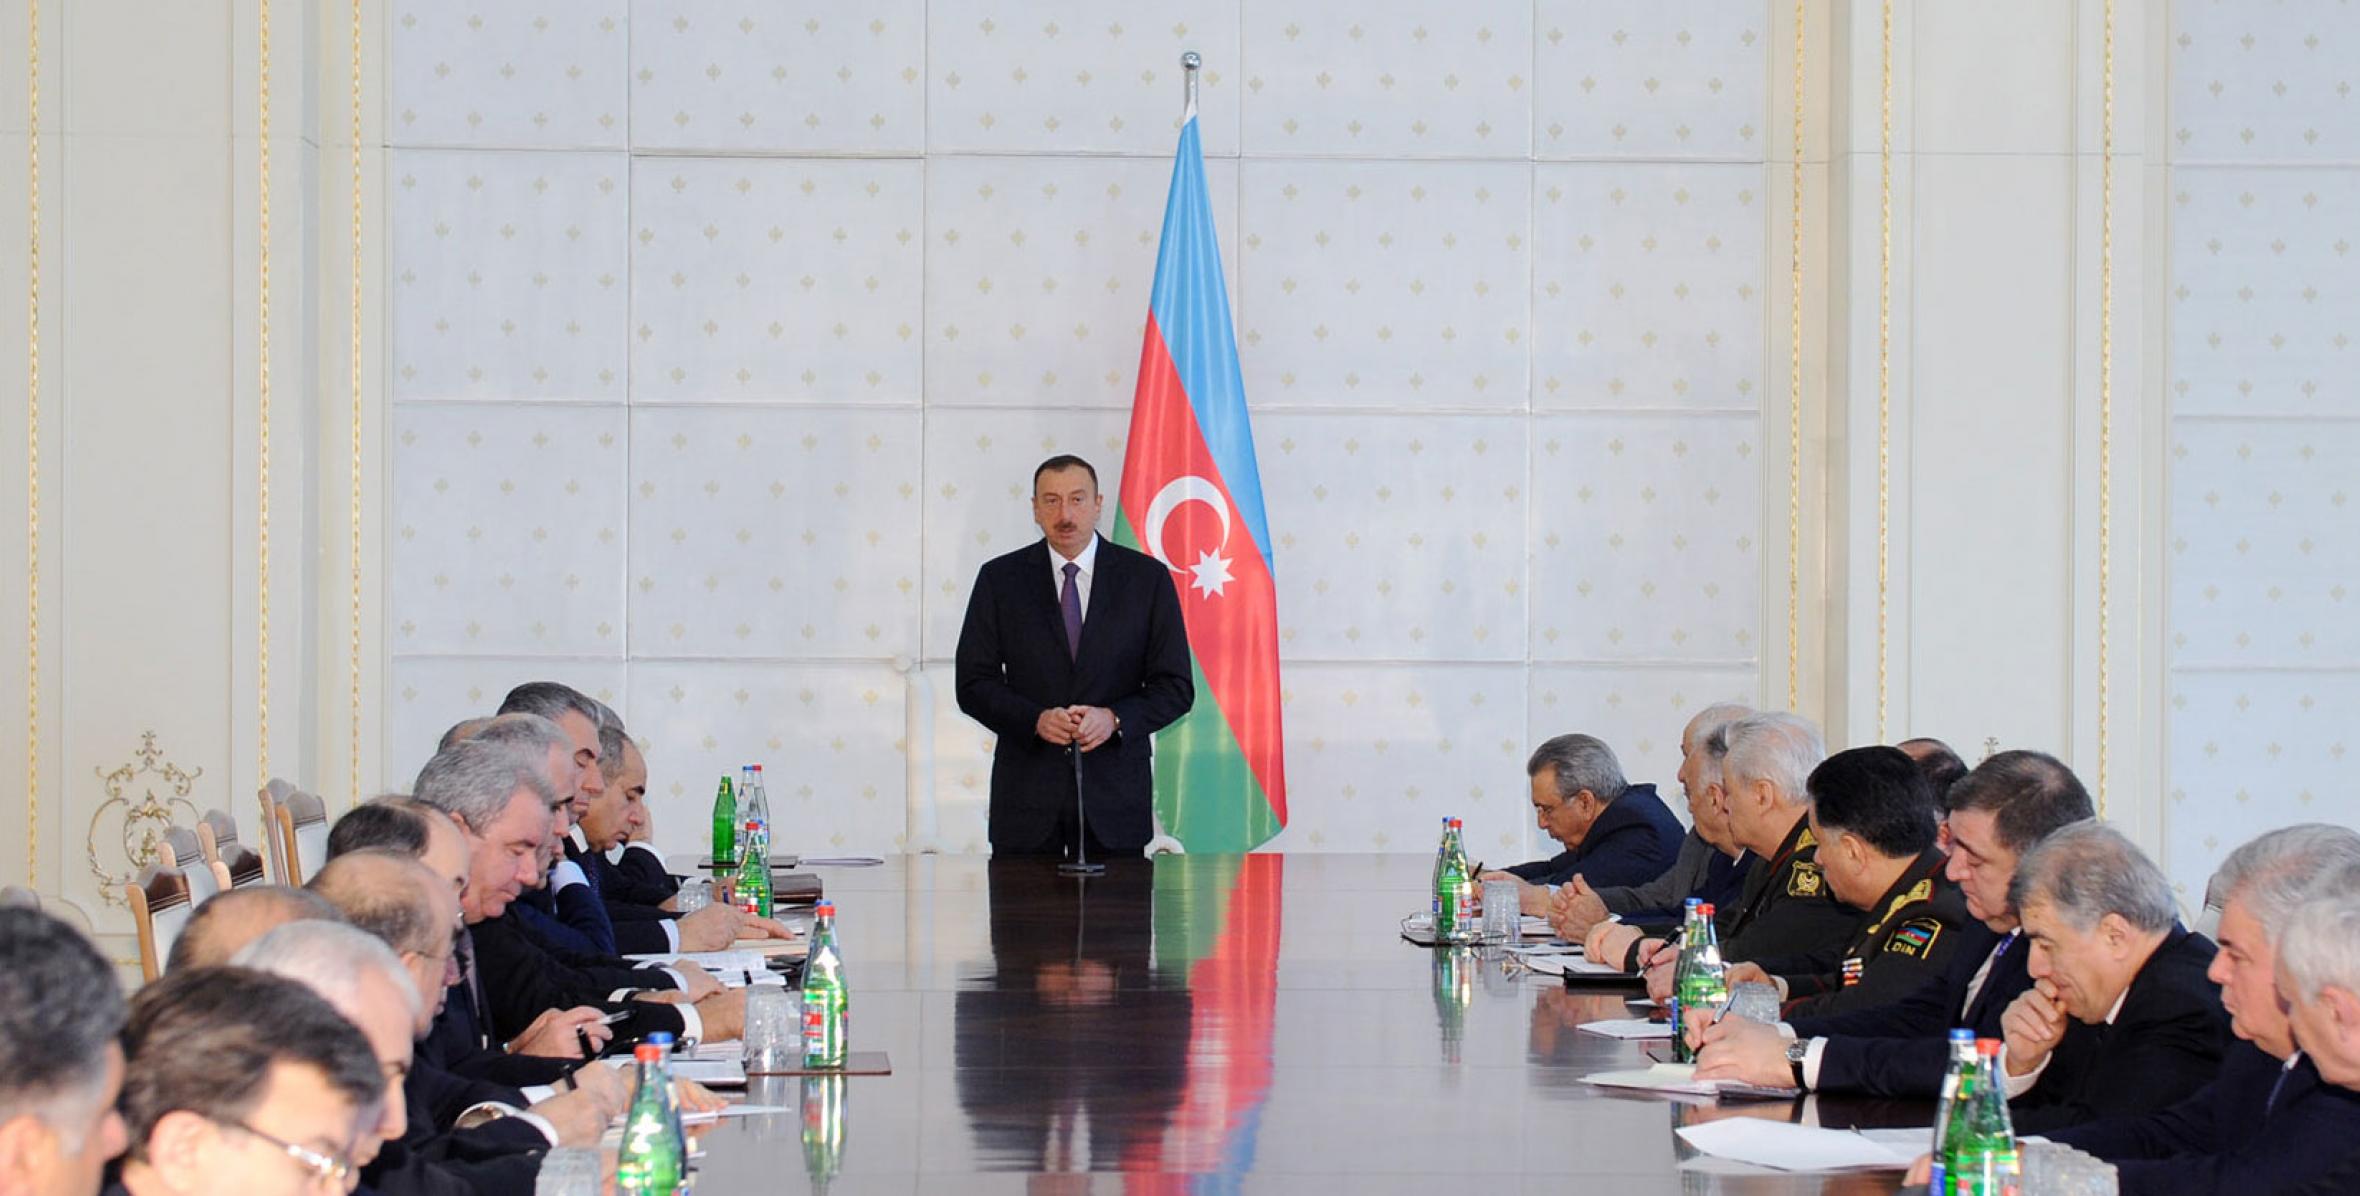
[
  {"x": 1680, "y": 1079},
  {"x": 1630, "y": 1027},
  {"x": 1556, "y": 964},
  {"x": 1788, "y": 1147}
]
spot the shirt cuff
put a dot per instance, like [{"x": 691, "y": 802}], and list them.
[
  {"x": 679, "y": 981},
  {"x": 1812, "y": 1054},
  {"x": 2019, "y": 1085},
  {"x": 692, "y": 1025},
  {"x": 565, "y": 875},
  {"x": 1786, "y": 1031},
  {"x": 671, "y": 934},
  {"x": 486, "y": 1112},
  {"x": 538, "y": 1093}
]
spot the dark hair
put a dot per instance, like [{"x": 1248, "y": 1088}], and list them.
[
  {"x": 205, "y": 1041},
  {"x": 1934, "y": 758},
  {"x": 195, "y": 946},
  {"x": 378, "y": 826},
  {"x": 379, "y": 891},
  {"x": 1064, "y": 461},
  {"x": 59, "y": 1008},
  {"x": 552, "y": 700},
  {"x": 2030, "y": 796},
  {"x": 1876, "y": 794}
]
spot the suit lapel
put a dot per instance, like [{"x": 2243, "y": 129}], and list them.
[
  {"x": 1106, "y": 587},
  {"x": 1043, "y": 586}
]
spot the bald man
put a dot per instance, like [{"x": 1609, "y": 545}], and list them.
[{"x": 229, "y": 920}]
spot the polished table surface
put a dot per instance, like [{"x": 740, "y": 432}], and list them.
[{"x": 1210, "y": 1023}]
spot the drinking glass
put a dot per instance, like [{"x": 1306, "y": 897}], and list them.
[
  {"x": 774, "y": 1031},
  {"x": 1754, "y": 1001},
  {"x": 570, "y": 1171},
  {"x": 695, "y": 893},
  {"x": 1501, "y": 913}
]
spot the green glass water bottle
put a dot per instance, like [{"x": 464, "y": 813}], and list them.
[
  {"x": 724, "y": 826},
  {"x": 653, "y": 1159},
  {"x": 1700, "y": 980},
  {"x": 826, "y": 1004},
  {"x": 1979, "y": 1156}
]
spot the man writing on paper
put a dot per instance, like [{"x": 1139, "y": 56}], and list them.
[{"x": 1072, "y": 642}]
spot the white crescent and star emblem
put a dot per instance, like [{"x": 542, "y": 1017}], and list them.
[{"x": 1211, "y": 571}]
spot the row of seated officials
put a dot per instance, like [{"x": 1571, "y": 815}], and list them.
[{"x": 417, "y": 1018}]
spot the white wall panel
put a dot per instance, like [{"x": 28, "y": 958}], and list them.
[
  {"x": 777, "y": 279},
  {"x": 774, "y": 532},
  {"x": 1397, "y": 537},
  {"x": 2265, "y": 549},
  {"x": 427, "y": 695},
  {"x": 1647, "y": 286},
  {"x": 2265, "y": 291},
  {"x": 507, "y": 530},
  {"x": 1389, "y": 78},
  {"x": 2251, "y": 751},
  {"x": 1650, "y": 546},
  {"x": 510, "y": 275},
  {"x": 2264, "y": 81},
  {"x": 1386, "y": 283},
  {"x": 1641, "y": 79},
  {"x": 829, "y": 738},
  {"x": 1077, "y": 76},
  {"x": 1039, "y": 271},
  {"x": 543, "y": 73},
  {"x": 804, "y": 77},
  {"x": 1638, "y": 712}
]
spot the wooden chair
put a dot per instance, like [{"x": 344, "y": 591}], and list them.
[
  {"x": 18, "y": 897},
  {"x": 303, "y": 835},
  {"x": 234, "y": 864},
  {"x": 274, "y": 847},
  {"x": 160, "y": 907},
  {"x": 185, "y": 851}
]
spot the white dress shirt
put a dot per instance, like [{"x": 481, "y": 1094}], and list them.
[{"x": 1081, "y": 582}]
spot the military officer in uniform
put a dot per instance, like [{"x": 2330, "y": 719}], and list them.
[
  {"x": 1872, "y": 814},
  {"x": 1786, "y": 908}
]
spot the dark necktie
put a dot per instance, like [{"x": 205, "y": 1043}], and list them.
[
  {"x": 2271, "y": 1105},
  {"x": 1069, "y": 600},
  {"x": 465, "y": 947}
]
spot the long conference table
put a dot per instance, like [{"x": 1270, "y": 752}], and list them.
[{"x": 1217, "y": 1024}]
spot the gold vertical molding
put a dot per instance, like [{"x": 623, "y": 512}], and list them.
[
  {"x": 33, "y": 444},
  {"x": 1794, "y": 398},
  {"x": 2105, "y": 391},
  {"x": 353, "y": 641},
  {"x": 262, "y": 489},
  {"x": 1884, "y": 373}
]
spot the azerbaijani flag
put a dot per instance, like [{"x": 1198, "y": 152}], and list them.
[{"x": 1192, "y": 498}]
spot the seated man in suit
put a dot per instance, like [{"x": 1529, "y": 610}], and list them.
[
  {"x": 2265, "y": 1123},
  {"x": 1072, "y": 643},
  {"x": 2318, "y": 976},
  {"x": 2120, "y": 1017},
  {"x": 1938, "y": 762},
  {"x": 2008, "y": 804},
  {"x": 361, "y": 980},
  {"x": 510, "y": 990},
  {"x": 1873, "y": 814},
  {"x": 238, "y": 1083},
  {"x": 1709, "y": 866},
  {"x": 1610, "y": 923},
  {"x": 1786, "y": 908},
  {"x": 633, "y": 876},
  {"x": 60, "y": 1068},
  {"x": 1614, "y": 832},
  {"x": 642, "y": 928}
]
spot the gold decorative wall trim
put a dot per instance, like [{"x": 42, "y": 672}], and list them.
[
  {"x": 33, "y": 443},
  {"x": 1794, "y": 397},
  {"x": 1885, "y": 376},
  {"x": 353, "y": 639},
  {"x": 262, "y": 490},
  {"x": 141, "y": 817},
  {"x": 2105, "y": 392}
]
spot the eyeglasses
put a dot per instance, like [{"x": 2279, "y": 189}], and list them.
[{"x": 324, "y": 1169}]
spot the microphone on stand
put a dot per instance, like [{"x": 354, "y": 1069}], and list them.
[{"x": 1080, "y": 864}]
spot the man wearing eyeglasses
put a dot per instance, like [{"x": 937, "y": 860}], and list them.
[{"x": 242, "y": 1084}]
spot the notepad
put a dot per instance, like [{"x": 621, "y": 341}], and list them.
[
  {"x": 1629, "y": 1028},
  {"x": 1680, "y": 1079},
  {"x": 1788, "y": 1147},
  {"x": 712, "y": 1073},
  {"x": 1569, "y": 965}
]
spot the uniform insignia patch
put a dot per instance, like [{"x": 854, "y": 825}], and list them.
[
  {"x": 1804, "y": 881},
  {"x": 1915, "y": 937},
  {"x": 1921, "y": 891},
  {"x": 1853, "y": 967}
]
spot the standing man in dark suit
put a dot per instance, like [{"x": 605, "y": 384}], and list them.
[
  {"x": 1072, "y": 644},
  {"x": 1614, "y": 833}
]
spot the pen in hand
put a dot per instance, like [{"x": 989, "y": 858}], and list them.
[{"x": 583, "y": 1037}]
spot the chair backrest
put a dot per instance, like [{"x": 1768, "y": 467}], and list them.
[
  {"x": 186, "y": 851},
  {"x": 18, "y": 896},
  {"x": 233, "y": 862},
  {"x": 161, "y": 903},
  {"x": 303, "y": 831},
  {"x": 273, "y": 852}
]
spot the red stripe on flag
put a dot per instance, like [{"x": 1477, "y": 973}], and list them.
[{"x": 1234, "y": 631}]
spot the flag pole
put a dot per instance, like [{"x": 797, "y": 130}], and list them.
[{"x": 1189, "y": 63}]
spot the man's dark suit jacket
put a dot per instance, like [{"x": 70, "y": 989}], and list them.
[
  {"x": 1903, "y": 1049},
  {"x": 1013, "y": 664},
  {"x": 2166, "y": 1044},
  {"x": 638, "y": 875},
  {"x": 1633, "y": 841},
  {"x": 1786, "y": 907},
  {"x": 521, "y": 981},
  {"x": 2258, "y": 1127}
]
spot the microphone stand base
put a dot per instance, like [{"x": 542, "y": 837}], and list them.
[{"x": 1081, "y": 868}]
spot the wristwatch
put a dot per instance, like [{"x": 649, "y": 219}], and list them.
[{"x": 1796, "y": 1052}]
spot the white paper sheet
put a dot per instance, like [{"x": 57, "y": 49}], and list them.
[
  {"x": 712, "y": 1073},
  {"x": 1569, "y": 965},
  {"x": 1630, "y": 1027},
  {"x": 1677, "y": 1078},
  {"x": 1790, "y": 1147}
]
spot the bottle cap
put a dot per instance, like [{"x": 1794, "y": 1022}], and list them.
[
  {"x": 660, "y": 1038},
  {"x": 1962, "y": 1034},
  {"x": 1988, "y": 1047},
  {"x": 647, "y": 1052},
  {"x": 1693, "y": 902},
  {"x": 1704, "y": 908}
]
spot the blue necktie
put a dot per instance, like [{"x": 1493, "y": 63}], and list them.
[{"x": 1069, "y": 600}]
